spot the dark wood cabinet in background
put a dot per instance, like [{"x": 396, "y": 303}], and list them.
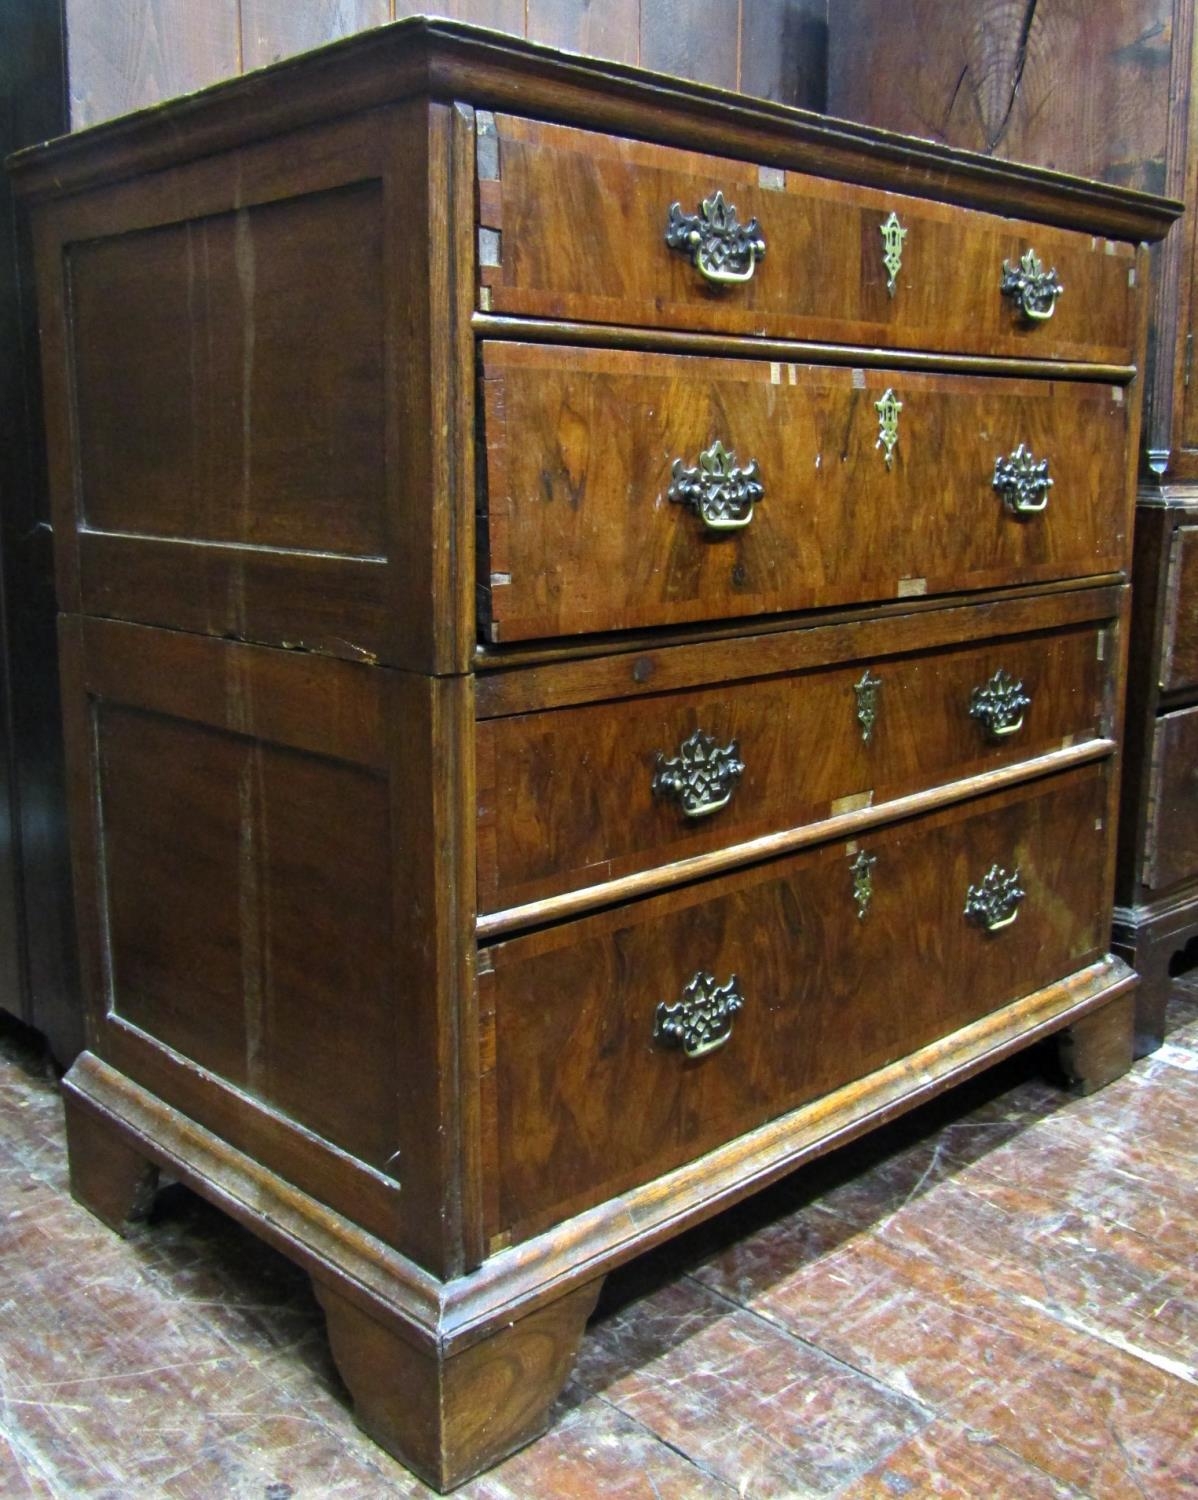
[{"x": 38, "y": 973}]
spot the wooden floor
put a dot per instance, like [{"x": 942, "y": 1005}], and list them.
[{"x": 999, "y": 1298}]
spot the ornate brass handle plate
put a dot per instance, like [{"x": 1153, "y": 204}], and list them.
[
  {"x": 720, "y": 492},
  {"x": 1034, "y": 289},
  {"x": 701, "y": 777},
  {"x": 723, "y": 250},
  {"x": 999, "y": 705},
  {"x": 1023, "y": 482},
  {"x": 994, "y": 902},
  {"x": 701, "y": 1020}
]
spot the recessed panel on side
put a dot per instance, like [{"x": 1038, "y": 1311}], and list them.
[
  {"x": 248, "y": 916},
  {"x": 228, "y": 376}
]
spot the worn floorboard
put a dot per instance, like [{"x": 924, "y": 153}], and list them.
[{"x": 997, "y": 1297}]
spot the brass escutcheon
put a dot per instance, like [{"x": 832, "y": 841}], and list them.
[
  {"x": 893, "y": 235},
  {"x": 862, "y": 871},
  {"x": 888, "y": 409}
]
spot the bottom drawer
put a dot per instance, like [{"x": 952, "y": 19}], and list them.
[
  {"x": 1171, "y": 851},
  {"x": 843, "y": 958}
]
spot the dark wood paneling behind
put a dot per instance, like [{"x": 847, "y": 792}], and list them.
[
  {"x": 271, "y": 29},
  {"x": 784, "y": 50},
  {"x": 124, "y": 54},
  {"x": 1060, "y": 83},
  {"x": 129, "y": 53},
  {"x": 693, "y": 38},
  {"x": 600, "y": 28},
  {"x": 38, "y": 976}
]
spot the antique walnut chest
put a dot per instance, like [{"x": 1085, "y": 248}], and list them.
[{"x": 594, "y": 639}]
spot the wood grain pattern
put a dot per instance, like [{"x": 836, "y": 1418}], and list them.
[
  {"x": 129, "y": 54},
  {"x": 566, "y": 797},
  {"x": 273, "y": 29},
  {"x": 692, "y": 39},
  {"x": 1171, "y": 847},
  {"x": 784, "y": 50},
  {"x": 471, "y": 1408},
  {"x": 500, "y": 73},
  {"x": 580, "y": 449},
  {"x": 599, "y": 28},
  {"x": 1179, "y": 664},
  {"x": 230, "y": 791},
  {"x": 1098, "y": 1049},
  {"x": 1060, "y": 83},
  {"x": 180, "y": 399},
  {"x": 1157, "y": 857},
  {"x": 574, "y": 1005},
  {"x": 822, "y": 275}
]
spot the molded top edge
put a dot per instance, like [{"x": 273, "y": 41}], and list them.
[{"x": 450, "y": 61}]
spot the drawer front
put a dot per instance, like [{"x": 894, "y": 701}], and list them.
[
  {"x": 1179, "y": 667},
  {"x": 589, "y": 1101},
  {"x": 573, "y": 796},
  {"x": 1171, "y": 854},
  {"x": 573, "y": 225},
  {"x": 611, "y": 505}
]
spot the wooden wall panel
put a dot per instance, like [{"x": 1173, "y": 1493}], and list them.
[
  {"x": 123, "y": 54},
  {"x": 693, "y": 39},
  {"x": 272, "y": 29},
  {"x": 500, "y": 15},
  {"x": 598, "y": 28},
  {"x": 1067, "y": 84},
  {"x": 784, "y": 50}
]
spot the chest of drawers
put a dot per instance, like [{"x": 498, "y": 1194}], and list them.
[{"x": 594, "y": 638}]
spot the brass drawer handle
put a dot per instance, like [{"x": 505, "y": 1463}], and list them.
[
  {"x": 701, "y": 777},
  {"x": 999, "y": 705},
  {"x": 1031, "y": 286},
  {"x": 701, "y": 1020},
  {"x": 717, "y": 490},
  {"x": 994, "y": 903},
  {"x": 1023, "y": 482},
  {"x": 723, "y": 250}
]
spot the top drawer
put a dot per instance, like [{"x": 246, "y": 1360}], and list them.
[{"x": 573, "y": 226}]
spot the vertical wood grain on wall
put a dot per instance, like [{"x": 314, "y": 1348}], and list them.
[
  {"x": 1070, "y": 84},
  {"x": 597, "y": 28},
  {"x": 273, "y": 29},
  {"x": 125, "y": 54}
]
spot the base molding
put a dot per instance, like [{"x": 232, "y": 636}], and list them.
[
  {"x": 451, "y": 1376},
  {"x": 1148, "y": 936}
]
